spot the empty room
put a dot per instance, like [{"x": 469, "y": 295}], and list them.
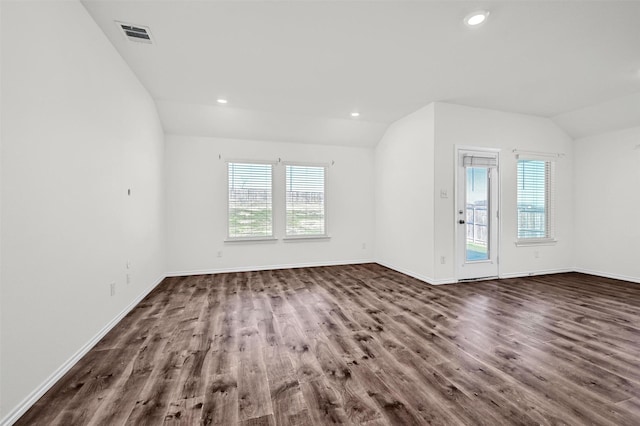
[{"x": 319, "y": 212}]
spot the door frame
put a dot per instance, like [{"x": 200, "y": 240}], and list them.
[{"x": 498, "y": 219}]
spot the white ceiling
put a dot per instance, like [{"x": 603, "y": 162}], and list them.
[{"x": 295, "y": 70}]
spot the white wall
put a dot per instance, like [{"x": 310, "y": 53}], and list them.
[
  {"x": 460, "y": 125},
  {"x": 404, "y": 165},
  {"x": 607, "y": 201},
  {"x": 78, "y": 129},
  {"x": 197, "y": 207}
]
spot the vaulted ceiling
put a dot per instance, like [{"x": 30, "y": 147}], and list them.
[{"x": 294, "y": 71}]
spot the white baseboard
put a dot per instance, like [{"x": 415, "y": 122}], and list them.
[
  {"x": 532, "y": 273},
  {"x": 521, "y": 274},
  {"x": 266, "y": 267},
  {"x": 417, "y": 276},
  {"x": 34, "y": 396},
  {"x": 443, "y": 281},
  {"x": 608, "y": 275}
]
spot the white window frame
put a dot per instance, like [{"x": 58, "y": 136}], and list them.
[
  {"x": 271, "y": 237},
  {"x": 549, "y": 239},
  {"x": 325, "y": 235}
]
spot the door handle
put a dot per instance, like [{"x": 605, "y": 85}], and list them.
[{"x": 461, "y": 222}]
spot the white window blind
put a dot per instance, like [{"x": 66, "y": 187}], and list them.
[
  {"x": 250, "y": 213},
  {"x": 305, "y": 201},
  {"x": 480, "y": 161},
  {"x": 535, "y": 200}
]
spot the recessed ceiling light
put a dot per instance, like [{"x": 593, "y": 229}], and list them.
[
  {"x": 355, "y": 114},
  {"x": 222, "y": 101},
  {"x": 476, "y": 18}
]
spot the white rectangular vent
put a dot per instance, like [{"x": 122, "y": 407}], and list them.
[{"x": 137, "y": 33}]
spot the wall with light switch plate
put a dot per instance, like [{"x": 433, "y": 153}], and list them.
[
  {"x": 415, "y": 190},
  {"x": 458, "y": 125}
]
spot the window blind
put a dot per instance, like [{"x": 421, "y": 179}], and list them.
[
  {"x": 535, "y": 199},
  {"x": 479, "y": 161},
  {"x": 250, "y": 205},
  {"x": 305, "y": 201}
]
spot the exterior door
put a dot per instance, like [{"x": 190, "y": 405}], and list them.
[{"x": 476, "y": 215}]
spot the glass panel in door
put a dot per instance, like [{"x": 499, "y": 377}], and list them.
[{"x": 477, "y": 214}]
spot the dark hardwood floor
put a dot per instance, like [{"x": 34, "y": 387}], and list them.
[{"x": 362, "y": 344}]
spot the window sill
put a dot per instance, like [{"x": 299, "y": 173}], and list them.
[
  {"x": 251, "y": 240},
  {"x": 536, "y": 242},
  {"x": 306, "y": 238}
]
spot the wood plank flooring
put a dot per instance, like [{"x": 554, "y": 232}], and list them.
[{"x": 362, "y": 345}]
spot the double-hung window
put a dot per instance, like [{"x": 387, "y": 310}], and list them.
[
  {"x": 250, "y": 201},
  {"x": 305, "y": 201},
  {"x": 535, "y": 201}
]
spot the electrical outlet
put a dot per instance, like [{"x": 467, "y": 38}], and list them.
[
  {"x": 443, "y": 193},
  {"x": 443, "y": 260},
  {"x": 220, "y": 253},
  {"x": 112, "y": 289},
  {"x": 128, "y": 279}
]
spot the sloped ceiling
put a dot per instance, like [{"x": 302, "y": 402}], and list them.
[
  {"x": 616, "y": 114},
  {"x": 294, "y": 71}
]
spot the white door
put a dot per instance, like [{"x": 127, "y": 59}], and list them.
[{"x": 476, "y": 214}]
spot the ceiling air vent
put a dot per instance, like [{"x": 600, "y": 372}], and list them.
[{"x": 137, "y": 33}]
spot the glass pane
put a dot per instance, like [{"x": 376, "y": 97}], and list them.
[
  {"x": 305, "y": 205},
  {"x": 477, "y": 217},
  {"x": 533, "y": 176},
  {"x": 250, "y": 200}
]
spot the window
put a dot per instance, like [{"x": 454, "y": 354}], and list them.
[
  {"x": 535, "y": 200},
  {"x": 250, "y": 200},
  {"x": 305, "y": 201}
]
